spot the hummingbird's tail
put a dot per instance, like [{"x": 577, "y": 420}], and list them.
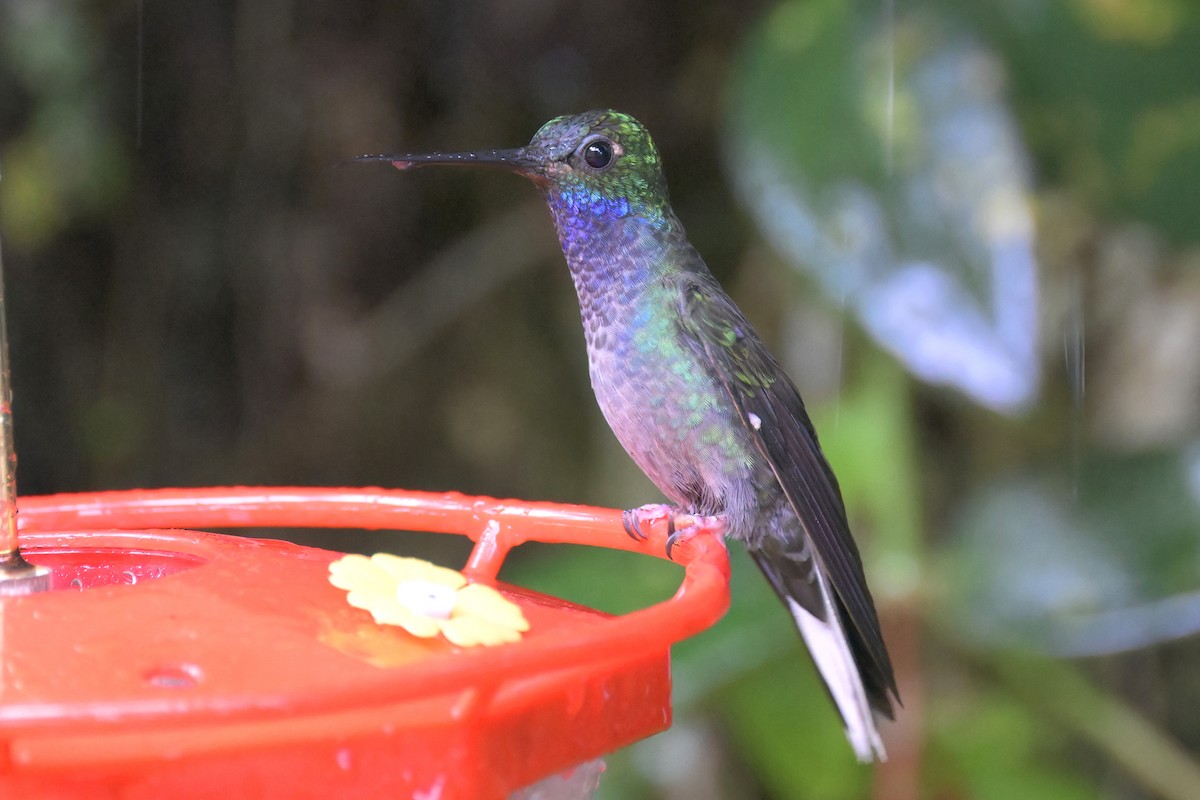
[{"x": 799, "y": 582}]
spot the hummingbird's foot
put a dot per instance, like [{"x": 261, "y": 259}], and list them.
[
  {"x": 682, "y": 527},
  {"x": 633, "y": 519}
]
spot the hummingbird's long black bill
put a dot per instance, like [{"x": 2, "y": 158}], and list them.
[{"x": 516, "y": 159}]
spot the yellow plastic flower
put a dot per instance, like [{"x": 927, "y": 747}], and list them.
[{"x": 426, "y": 599}]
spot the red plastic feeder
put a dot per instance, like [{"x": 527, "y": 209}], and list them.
[{"x": 199, "y": 665}]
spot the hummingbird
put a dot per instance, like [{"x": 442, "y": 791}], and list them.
[{"x": 696, "y": 398}]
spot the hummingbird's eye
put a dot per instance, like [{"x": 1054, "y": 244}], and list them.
[{"x": 598, "y": 154}]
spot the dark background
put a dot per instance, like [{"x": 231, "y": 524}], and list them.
[{"x": 201, "y": 291}]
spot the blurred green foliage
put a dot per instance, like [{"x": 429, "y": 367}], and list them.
[
  {"x": 1108, "y": 94},
  {"x": 201, "y": 293}
]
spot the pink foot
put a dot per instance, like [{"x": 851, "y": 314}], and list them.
[
  {"x": 633, "y": 519},
  {"x": 681, "y": 526}
]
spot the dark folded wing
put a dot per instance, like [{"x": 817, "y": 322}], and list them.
[{"x": 771, "y": 409}]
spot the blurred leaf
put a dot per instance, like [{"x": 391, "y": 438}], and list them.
[
  {"x": 67, "y": 161},
  {"x": 1056, "y": 690},
  {"x": 869, "y": 439},
  {"x": 1110, "y": 96},
  {"x": 990, "y": 748},
  {"x": 785, "y": 728},
  {"x": 882, "y": 159},
  {"x": 1116, "y": 567},
  {"x": 32, "y": 202},
  {"x": 611, "y": 581}
]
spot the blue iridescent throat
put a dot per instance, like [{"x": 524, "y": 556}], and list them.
[{"x": 580, "y": 199}]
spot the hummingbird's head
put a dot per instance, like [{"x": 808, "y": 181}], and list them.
[
  {"x": 599, "y": 162},
  {"x": 598, "y": 159}
]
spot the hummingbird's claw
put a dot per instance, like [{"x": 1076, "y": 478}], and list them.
[
  {"x": 633, "y": 519},
  {"x": 681, "y": 525},
  {"x": 692, "y": 524},
  {"x": 630, "y": 523}
]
